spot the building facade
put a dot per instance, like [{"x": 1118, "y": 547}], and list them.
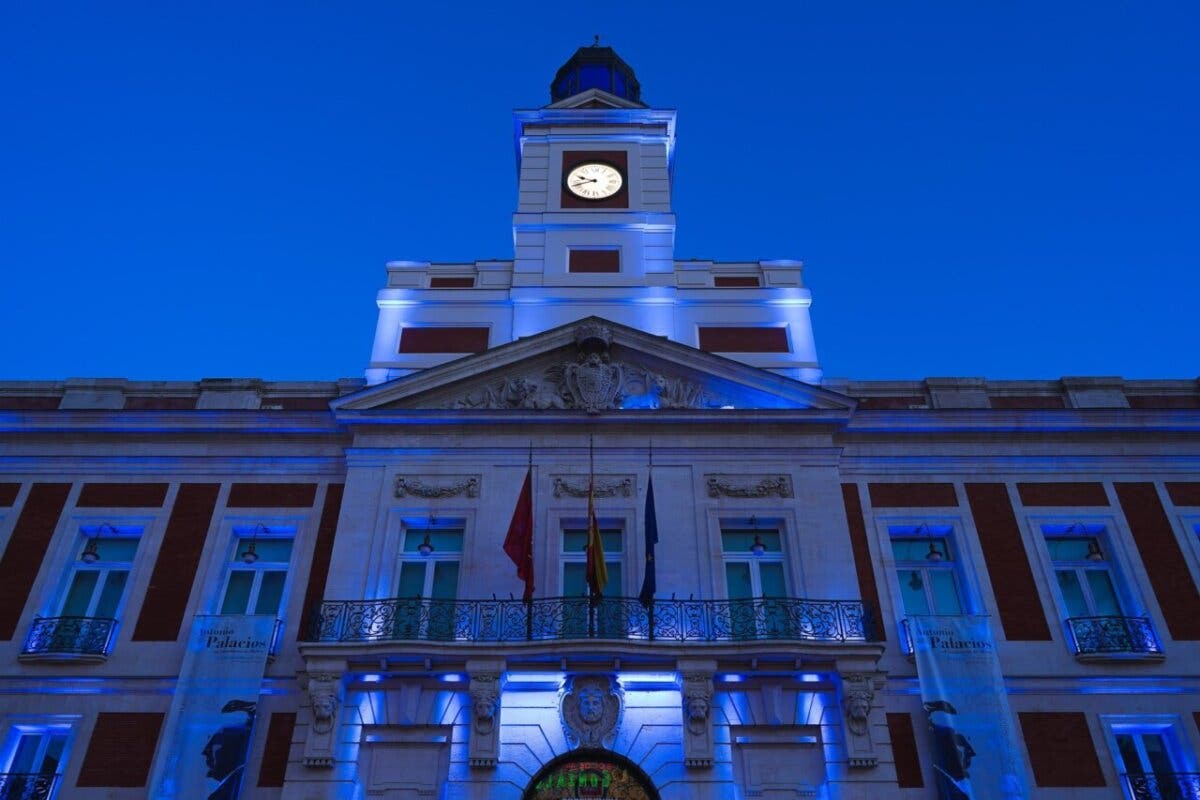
[{"x": 800, "y": 522}]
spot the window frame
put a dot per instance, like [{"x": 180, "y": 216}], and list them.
[
  {"x": 1170, "y": 726},
  {"x": 961, "y": 539},
  {"x": 1115, "y": 543},
  {"x": 412, "y": 525},
  {"x": 17, "y": 725},
  {"x": 281, "y": 527}
]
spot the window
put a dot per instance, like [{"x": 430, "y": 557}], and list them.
[
  {"x": 580, "y": 617},
  {"x": 429, "y": 565},
  {"x": 257, "y": 572},
  {"x": 1089, "y": 593},
  {"x": 1152, "y": 761},
  {"x": 754, "y": 581},
  {"x": 926, "y": 572},
  {"x": 88, "y": 607},
  {"x": 34, "y": 758}
]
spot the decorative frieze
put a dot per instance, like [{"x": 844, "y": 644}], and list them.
[
  {"x": 444, "y": 486},
  {"x": 749, "y": 485},
  {"x": 604, "y": 486}
]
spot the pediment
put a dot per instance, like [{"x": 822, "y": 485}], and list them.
[
  {"x": 593, "y": 365},
  {"x": 595, "y": 98}
]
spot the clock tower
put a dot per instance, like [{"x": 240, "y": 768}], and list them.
[{"x": 594, "y": 235}]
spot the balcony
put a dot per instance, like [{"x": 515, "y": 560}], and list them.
[
  {"x": 1114, "y": 637},
  {"x": 68, "y": 638},
  {"x": 26, "y": 785},
  {"x": 1164, "y": 786},
  {"x": 577, "y": 618}
]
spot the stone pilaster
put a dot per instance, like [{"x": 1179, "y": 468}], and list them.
[
  {"x": 862, "y": 717},
  {"x": 696, "y": 695},
  {"x": 483, "y": 742},
  {"x": 326, "y": 692}
]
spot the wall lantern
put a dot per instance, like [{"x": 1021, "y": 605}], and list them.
[
  {"x": 250, "y": 554},
  {"x": 91, "y": 551},
  {"x": 426, "y": 547},
  {"x": 756, "y": 547}
]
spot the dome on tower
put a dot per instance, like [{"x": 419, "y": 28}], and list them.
[{"x": 595, "y": 67}]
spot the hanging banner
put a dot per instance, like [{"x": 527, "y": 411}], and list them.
[
  {"x": 975, "y": 752},
  {"x": 211, "y": 721}
]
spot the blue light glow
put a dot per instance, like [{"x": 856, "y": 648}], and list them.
[
  {"x": 452, "y": 677},
  {"x": 730, "y": 677}
]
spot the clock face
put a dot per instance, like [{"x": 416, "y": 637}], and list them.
[{"x": 594, "y": 180}]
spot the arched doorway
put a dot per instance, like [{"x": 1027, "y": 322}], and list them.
[{"x": 590, "y": 773}]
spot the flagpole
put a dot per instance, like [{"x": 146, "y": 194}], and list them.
[
  {"x": 532, "y": 525},
  {"x": 648, "y": 564}
]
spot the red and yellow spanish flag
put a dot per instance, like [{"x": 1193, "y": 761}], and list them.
[{"x": 597, "y": 570}]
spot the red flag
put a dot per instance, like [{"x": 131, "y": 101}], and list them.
[
  {"x": 518, "y": 544},
  {"x": 597, "y": 569}
]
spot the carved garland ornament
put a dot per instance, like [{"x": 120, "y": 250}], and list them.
[
  {"x": 618, "y": 485},
  {"x": 467, "y": 485},
  {"x": 748, "y": 486}
]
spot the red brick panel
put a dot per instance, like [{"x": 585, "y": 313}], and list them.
[
  {"x": 1182, "y": 494},
  {"x": 36, "y": 403},
  {"x": 912, "y": 495},
  {"x": 1061, "y": 750},
  {"x": 1021, "y": 612},
  {"x": 724, "y": 339},
  {"x": 735, "y": 281},
  {"x": 22, "y": 559},
  {"x": 122, "y": 495},
  {"x": 276, "y": 749},
  {"x": 1163, "y": 401},
  {"x": 618, "y": 158},
  {"x": 894, "y": 403},
  {"x": 272, "y": 495},
  {"x": 451, "y": 282},
  {"x": 8, "y": 493},
  {"x": 178, "y": 562},
  {"x": 867, "y": 588},
  {"x": 594, "y": 261},
  {"x": 121, "y": 749},
  {"x": 904, "y": 751},
  {"x": 152, "y": 403},
  {"x": 1062, "y": 494},
  {"x": 444, "y": 340},
  {"x": 292, "y": 403},
  {"x": 1177, "y": 595},
  {"x": 323, "y": 550},
  {"x": 1027, "y": 402}
]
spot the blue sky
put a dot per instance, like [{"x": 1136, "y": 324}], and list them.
[{"x": 196, "y": 190}]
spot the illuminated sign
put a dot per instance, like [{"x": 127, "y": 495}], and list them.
[{"x": 594, "y": 774}]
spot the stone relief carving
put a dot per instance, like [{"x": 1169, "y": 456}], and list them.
[
  {"x": 858, "y": 693},
  {"x": 749, "y": 485},
  {"x": 467, "y": 485},
  {"x": 324, "y": 690},
  {"x": 590, "y": 709},
  {"x": 485, "y": 701},
  {"x": 592, "y": 382},
  {"x": 697, "y": 698},
  {"x": 605, "y": 486}
]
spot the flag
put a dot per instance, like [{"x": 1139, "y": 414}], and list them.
[
  {"x": 597, "y": 570},
  {"x": 650, "y": 581},
  {"x": 518, "y": 544}
]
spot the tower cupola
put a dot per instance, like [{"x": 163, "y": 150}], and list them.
[{"x": 595, "y": 67}]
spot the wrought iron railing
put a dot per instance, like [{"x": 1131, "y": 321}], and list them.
[
  {"x": 26, "y": 785},
  {"x": 558, "y": 618},
  {"x": 1164, "y": 786},
  {"x": 1113, "y": 635},
  {"x": 87, "y": 636}
]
